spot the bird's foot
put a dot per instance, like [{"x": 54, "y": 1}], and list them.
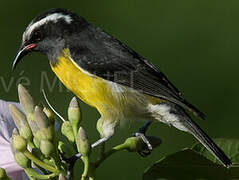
[
  {"x": 141, "y": 133},
  {"x": 149, "y": 148}
]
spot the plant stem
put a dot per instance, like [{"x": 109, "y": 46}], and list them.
[
  {"x": 31, "y": 145},
  {"x": 85, "y": 159},
  {"x": 33, "y": 174},
  {"x": 29, "y": 175},
  {"x": 235, "y": 165},
  {"x": 40, "y": 163}
]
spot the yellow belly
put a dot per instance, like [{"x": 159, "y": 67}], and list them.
[{"x": 98, "y": 92}]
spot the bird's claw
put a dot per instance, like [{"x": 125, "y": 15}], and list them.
[
  {"x": 145, "y": 140},
  {"x": 149, "y": 149}
]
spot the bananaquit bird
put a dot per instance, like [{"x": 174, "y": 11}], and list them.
[{"x": 108, "y": 75}]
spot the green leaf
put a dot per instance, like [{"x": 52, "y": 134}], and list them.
[
  {"x": 229, "y": 146},
  {"x": 188, "y": 164}
]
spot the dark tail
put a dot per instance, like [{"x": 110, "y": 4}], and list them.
[
  {"x": 196, "y": 131},
  {"x": 194, "y": 110}
]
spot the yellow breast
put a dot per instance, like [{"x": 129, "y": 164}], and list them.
[{"x": 91, "y": 89}]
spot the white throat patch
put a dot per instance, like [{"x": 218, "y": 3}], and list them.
[{"x": 53, "y": 17}]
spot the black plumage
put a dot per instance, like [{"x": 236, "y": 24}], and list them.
[{"x": 101, "y": 54}]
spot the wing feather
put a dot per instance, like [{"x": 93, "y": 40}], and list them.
[{"x": 101, "y": 54}]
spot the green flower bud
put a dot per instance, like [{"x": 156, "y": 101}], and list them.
[
  {"x": 83, "y": 144},
  {"x": 41, "y": 118},
  {"x": 33, "y": 125},
  {"x": 47, "y": 133},
  {"x": 49, "y": 114},
  {"x": 27, "y": 104},
  {"x": 14, "y": 133},
  {"x": 74, "y": 115},
  {"x": 45, "y": 130},
  {"x": 30, "y": 117},
  {"x": 136, "y": 144},
  {"x": 19, "y": 143},
  {"x": 3, "y": 174},
  {"x": 46, "y": 147},
  {"x": 22, "y": 160},
  {"x": 67, "y": 131},
  {"x": 26, "y": 100},
  {"x": 21, "y": 122},
  {"x": 133, "y": 144},
  {"x": 36, "y": 140}
]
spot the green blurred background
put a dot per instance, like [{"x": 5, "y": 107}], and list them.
[{"x": 194, "y": 42}]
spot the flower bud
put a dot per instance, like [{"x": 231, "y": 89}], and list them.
[
  {"x": 74, "y": 115},
  {"x": 21, "y": 122},
  {"x": 19, "y": 143},
  {"x": 67, "y": 131},
  {"x": 136, "y": 144},
  {"x": 133, "y": 144},
  {"x": 27, "y": 104},
  {"x": 33, "y": 126},
  {"x": 83, "y": 144},
  {"x": 41, "y": 118},
  {"x": 49, "y": 114},
  {"x": 14, "y": 133},
  {"x": 36, "y": 140},
  {"x": 46, "y": 147},
  {"x": 26, "y": 100},
  {"x": 3, "y": 174},
  {"x": 22, "y": 160},
  {"x": 47, "y": 133}
]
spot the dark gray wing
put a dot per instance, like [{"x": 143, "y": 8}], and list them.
[{"x": 101, "y": 54}]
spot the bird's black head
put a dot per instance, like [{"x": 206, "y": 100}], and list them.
[{"x": 48, "y": 32}]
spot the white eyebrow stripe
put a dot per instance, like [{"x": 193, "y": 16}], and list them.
[{"x": 53, "y": 17}]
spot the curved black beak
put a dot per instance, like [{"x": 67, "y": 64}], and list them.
[{"x": 21, "y": 53}]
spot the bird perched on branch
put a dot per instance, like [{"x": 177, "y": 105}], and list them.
[{"x": 106, "y": 74}]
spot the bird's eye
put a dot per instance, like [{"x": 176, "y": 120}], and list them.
[{"x": 36, "y": 36}]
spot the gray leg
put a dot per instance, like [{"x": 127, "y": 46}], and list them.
[
  {"x": 97, "y": 143},
  {"x": 145, "y": 127},
  {"x": 100, "y": 141}
]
